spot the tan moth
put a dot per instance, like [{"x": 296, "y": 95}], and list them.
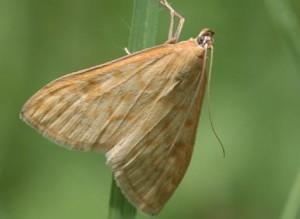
[{"x": 141, "y": 110}]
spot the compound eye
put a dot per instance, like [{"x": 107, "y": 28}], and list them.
[
  {"x": 200, "y": 40},
  {"x": 205, "y": 38}
]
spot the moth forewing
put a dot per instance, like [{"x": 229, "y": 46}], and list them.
[
  {"x": 142, "y": 110},
  {"x": 151, "y": 161},
  {"x": 76, "y": 110}
]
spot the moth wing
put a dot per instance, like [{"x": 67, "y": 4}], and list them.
[
  {"x": 150, "y": 163},
  {"x": 93, "y": 108}
]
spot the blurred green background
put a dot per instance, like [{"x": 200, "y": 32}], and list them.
[{"x": 255, "y": 103}]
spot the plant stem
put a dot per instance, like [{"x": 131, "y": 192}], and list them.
[{"x": 142, "y": 35}]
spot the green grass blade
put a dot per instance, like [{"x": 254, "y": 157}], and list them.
[
  {"x": 144, "y": 24},
  {"x": 142, "y": 35},
  {"x": 119, "y": 207},
  {"x": 286, "y": 21},
  {"x": 293, "y": 203}
]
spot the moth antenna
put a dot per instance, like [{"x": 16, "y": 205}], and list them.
[
  {"x": 212, "y": 124},
  {"x": 173, "y": 36}
]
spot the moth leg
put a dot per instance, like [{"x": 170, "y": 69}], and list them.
[
  {"x": 127, "y": 51},
  {"x": 171, "y": 41},
  {"x": 173, "y": 36}
]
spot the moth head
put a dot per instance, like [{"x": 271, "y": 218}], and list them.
[{"x": 205, "y": 38}]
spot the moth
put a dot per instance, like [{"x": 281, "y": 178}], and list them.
[{"x": 141, "y": 110}]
